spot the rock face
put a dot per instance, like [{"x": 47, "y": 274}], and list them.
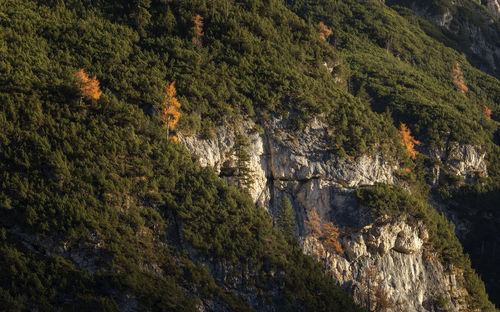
[
  {"x": 86, "y": 255},
  {"x": 387, "y": 266},
  {"x": 466, "y": 161},
  {"x": 288, "y": 161},
  {"x": 386, "y": 261},
  {"x": 493, "y": 6}
]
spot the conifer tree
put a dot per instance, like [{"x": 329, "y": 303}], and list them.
[
  {"x": 244, "y": 173},
  {"x": 327, "y": 233},
  {"x": 286, "y": 218},
  {"x": 324, "y": 31},
  {"x": 458, "y": 79},
  {"x": 198, "y": 30},
  {"x": 330, "y": 238},
  {"x": 314, "y": 225},
  {"x": 487, "y": 112},
  {"x": 408, "y": 141},
  {"x": 89, "y": 87},
  {"x": 142, "y": 16},
  {"x": 169, "y": 109}
]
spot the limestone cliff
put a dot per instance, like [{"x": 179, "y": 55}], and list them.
[
  {"x": 389, "y": 266},
  {"x": 465, "y": 161},
  {"x": 387, "y": 261}
]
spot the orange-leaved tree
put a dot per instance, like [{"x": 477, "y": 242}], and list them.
[
  {"x": 331, "y": 238},
  {"x": 169, "y": 109},
  {"x": 89, "y": 87},
  {"x": 458, "y": 78},
  {"x": 324, "y": 31},
  {"x": 198, "y": 30},
  {"x": 327, "y": 233},
  {"x": 315, "y": 225},
  {"x": 487, "y": 112},
  {"x": 408, "y": 141}
]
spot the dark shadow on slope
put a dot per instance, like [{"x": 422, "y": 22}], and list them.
[
  {"x": 482, "y": 240},
  {"x": 469, "y": 29}
]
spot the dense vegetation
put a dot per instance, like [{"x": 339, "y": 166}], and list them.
[
  {"x": 402, "y": 65},
  {"x": 101, "y": 175},
  {"x": 90, "y": 187},
  {"x": 477, "y": 203},
  {"x": 471, "y": 24},
  {"x": 397, "y": 68}
]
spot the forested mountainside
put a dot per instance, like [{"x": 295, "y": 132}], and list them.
[
  {"x": 472, "y": 28},
  {"x": 301, "y": 106}
]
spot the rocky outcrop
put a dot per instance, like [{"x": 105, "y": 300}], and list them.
[
  {"x": 286, "y": 160},
  {"x": 466, "y": 161},
  {"x": 388, "y": 258},
  {"x": 388, "y": 266}
]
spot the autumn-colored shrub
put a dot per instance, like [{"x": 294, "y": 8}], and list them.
[
  {"x": 487, "y": 112},
  {"x": 197, "y": 29}
]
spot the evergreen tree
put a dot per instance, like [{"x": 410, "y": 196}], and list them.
[
  {"x": 142, "y": 16},
  {"x": 244, "y": 173},
  {"x": 286, "y": 218}
]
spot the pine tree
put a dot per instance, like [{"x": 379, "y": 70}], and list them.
[
  {"x": 142, "y": 16},
  {"x": 244, "y": 173},
  {"x": 286, "y": 218}
]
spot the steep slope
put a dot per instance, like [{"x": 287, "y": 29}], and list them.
[
  {"x": 415, "y": 84},
  {"x": 408, "y": 259},
  {"x": 92, "y": 191},
  {"x": 466, "y": 26},
  {"x": 436, "y": 114},
  {"x": 99, "y": 211}
]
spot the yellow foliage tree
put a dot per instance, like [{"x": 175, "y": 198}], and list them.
[
  {"x": 169, "y": 109},
  {"x": 487, "y": 112},
  {"x": 408, "y": 141},
  {"x": 324, "y": 31},
  {"x": 89, "y": 87},
  {"x": 327, "y": 233},
  {"x": 458, "y": 79},
  {"x": 197, "y": 29},
  {"x": 314, "y": 225},
  {"x": 330, "y": 238}
]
